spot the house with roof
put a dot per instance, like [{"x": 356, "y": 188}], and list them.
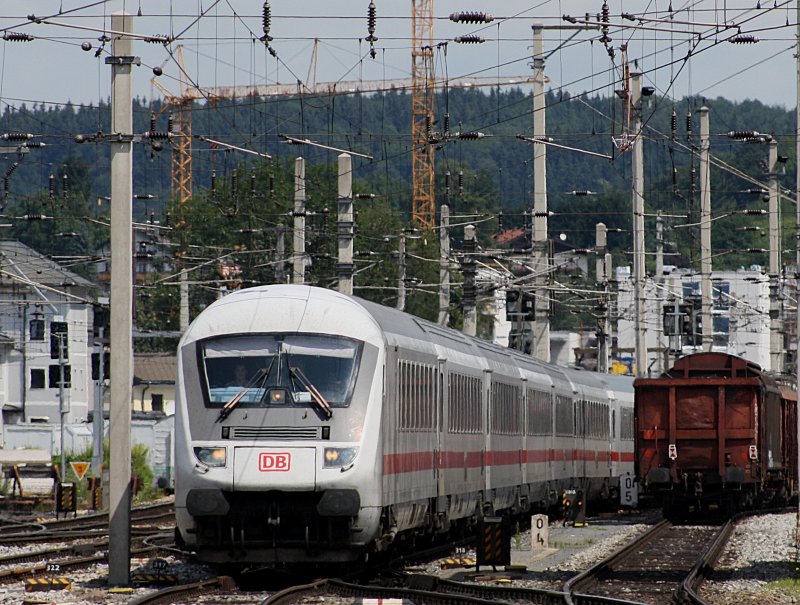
[
  {"x": 46, "y": 339},
  {"x": 154, "y": 382}
]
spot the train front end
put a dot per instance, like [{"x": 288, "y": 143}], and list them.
[{"x": 278, "y": 388}]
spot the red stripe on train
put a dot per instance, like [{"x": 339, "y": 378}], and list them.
[{"x": 412, "y": 462}]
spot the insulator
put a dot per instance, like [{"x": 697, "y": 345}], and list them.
[
  {"x": 51, "y": 187},
  {"x": 213, "y": 181},
  {"x": 272, "y": 185},
  {"x": 756, "y": 191},
  {"x": 5, "y": 184},
  {"x": 428, "y": 125},
  {"x": 143, "y": 196},
  {"x": 447, "y": 183},
  {"x": 33, "y": 217},
  {"x": 16, "y": 136},
  {"x": 689, "y": 124},
  {"x": 446, "y": 123},
  {"x": 272, "y": 52},
  {"x": 234, "y": 184},
  {"x": 152, "y": 122},
  {"x": 16, "y": 37},
  {"x": 743, "y": 39},
  {"x": 156, "y": 136},
  {"x": 371, "y": 17},
  {"x": 34, "y": 144},
  {"x": 674, "y": 125},
  {"x": 170, "y": 123},
  {"x": 581, "y": 192},
  {"x": 470, "y": 136},
  {"x": 65, "y": 187},
  {"x": 266, "y": 22},
  {"x": 743, "y": 134},
  {"x": 569, "y": 19},
  {"x": 461, "y": 182},
  {"x": 152, "y": 218},
  {"x": 500, "y": 220},
  {"x": 11, "y": 169},
  {"x": 628, "y": 16},
  {"x": 753, "y": 211},
  {"x": 471, "y": 17},
  {"x": 469, "y": 39},
  {"x": 604, "y": 17},
  {"x": 168, "y": 218},
  {"x": 363, "y": 196},
  {"x": 253, "y": 185}
]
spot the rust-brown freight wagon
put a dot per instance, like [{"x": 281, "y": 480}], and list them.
[{"x": 715, "y": 432}]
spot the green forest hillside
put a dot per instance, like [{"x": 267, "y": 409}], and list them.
[{"x": 55, "y": 191}]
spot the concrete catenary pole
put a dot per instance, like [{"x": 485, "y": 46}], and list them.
[
  {"x": 776, "y": 323},
  {"x": 183, "y": 288},
  {"x": 345, "y": 224},
  {"x": 280, "y": 254},
  {"x": 444, "y": 266},
  {"x": 540, "y": 260},
  {"x": 470, "y": 310},
  {"x": 121, "y": 61},
  {"x": 401, "y": 272},
  {"x": 601, "y": 277},
  {"x": 797, "y": 248},
  {"x": 299, "y": 223},
  {"x": 637, "y": 170},
  {"x": 706, "y": 318}
]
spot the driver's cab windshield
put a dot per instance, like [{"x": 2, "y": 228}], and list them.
[{"x": 248, "y": 370}]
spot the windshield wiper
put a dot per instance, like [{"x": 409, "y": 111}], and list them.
[
  {"x": 258, "y": 380},
  {"x": 316, "y": 396}
]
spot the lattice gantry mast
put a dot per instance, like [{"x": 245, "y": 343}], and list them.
[{"x": 422, "y": 96}]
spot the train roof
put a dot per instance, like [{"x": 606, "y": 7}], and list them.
[{"x": 288, "y": 307}]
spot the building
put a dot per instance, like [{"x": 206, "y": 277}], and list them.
[
  {"x": 154, "y": 382},
  {"x": 46, "y": 336},
  {"x": 741, "y": 316}
]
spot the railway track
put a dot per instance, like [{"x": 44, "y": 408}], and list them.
[{"x": 663, "y": 566}]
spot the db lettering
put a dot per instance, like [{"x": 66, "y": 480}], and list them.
[{"x": 272, "y": 462}]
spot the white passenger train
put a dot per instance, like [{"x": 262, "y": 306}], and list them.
[{"x": 357, "y": 424}]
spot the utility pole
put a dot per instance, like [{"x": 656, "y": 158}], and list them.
[
  {"x": 63, "y": 408},
  {"x": 345, "y": 225},
  {"x": 280, "y": 254},
  {"x": 637, "y": 170},
  {"x": 601, "y": 277},
  {"x": 97, "y": 416},
  {"x": 797, "y": 249},
  {"x": 540, "y": 260},
  {"x": 663, "y": 340},
  {"x": 299, "y": 215},
  {"x": 401, "y": 272},
  {"x": 121, "y": 61},
  {"x": 470, "y": 311},
  {"x": 444, "y": 266},
  {"x": 776, "y": 323},
  {"x": 705, "y": 233},
  {"x": 183, "y": 288}
]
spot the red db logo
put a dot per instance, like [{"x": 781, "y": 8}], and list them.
[{"x": 274, "y": 461}]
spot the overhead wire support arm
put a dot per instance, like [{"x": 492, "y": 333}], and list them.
[
  {"x": 548, "y": 141},
  {"x": 296, "y": 141},
  {"x": 234, "y": 147}
]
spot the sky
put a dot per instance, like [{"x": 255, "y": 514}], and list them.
[{"x": 219, "y": 40}]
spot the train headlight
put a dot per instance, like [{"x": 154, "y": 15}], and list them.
[
  {"x": 211, "y": 456},
  {"x": 336, "y": 457}
]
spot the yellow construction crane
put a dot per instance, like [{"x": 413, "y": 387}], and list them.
[
  {"x": 422, "y": 85},
  {"x": 422, "y": 95}
]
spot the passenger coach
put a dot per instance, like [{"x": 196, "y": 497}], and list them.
[{"x": 358, "y": 424}]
